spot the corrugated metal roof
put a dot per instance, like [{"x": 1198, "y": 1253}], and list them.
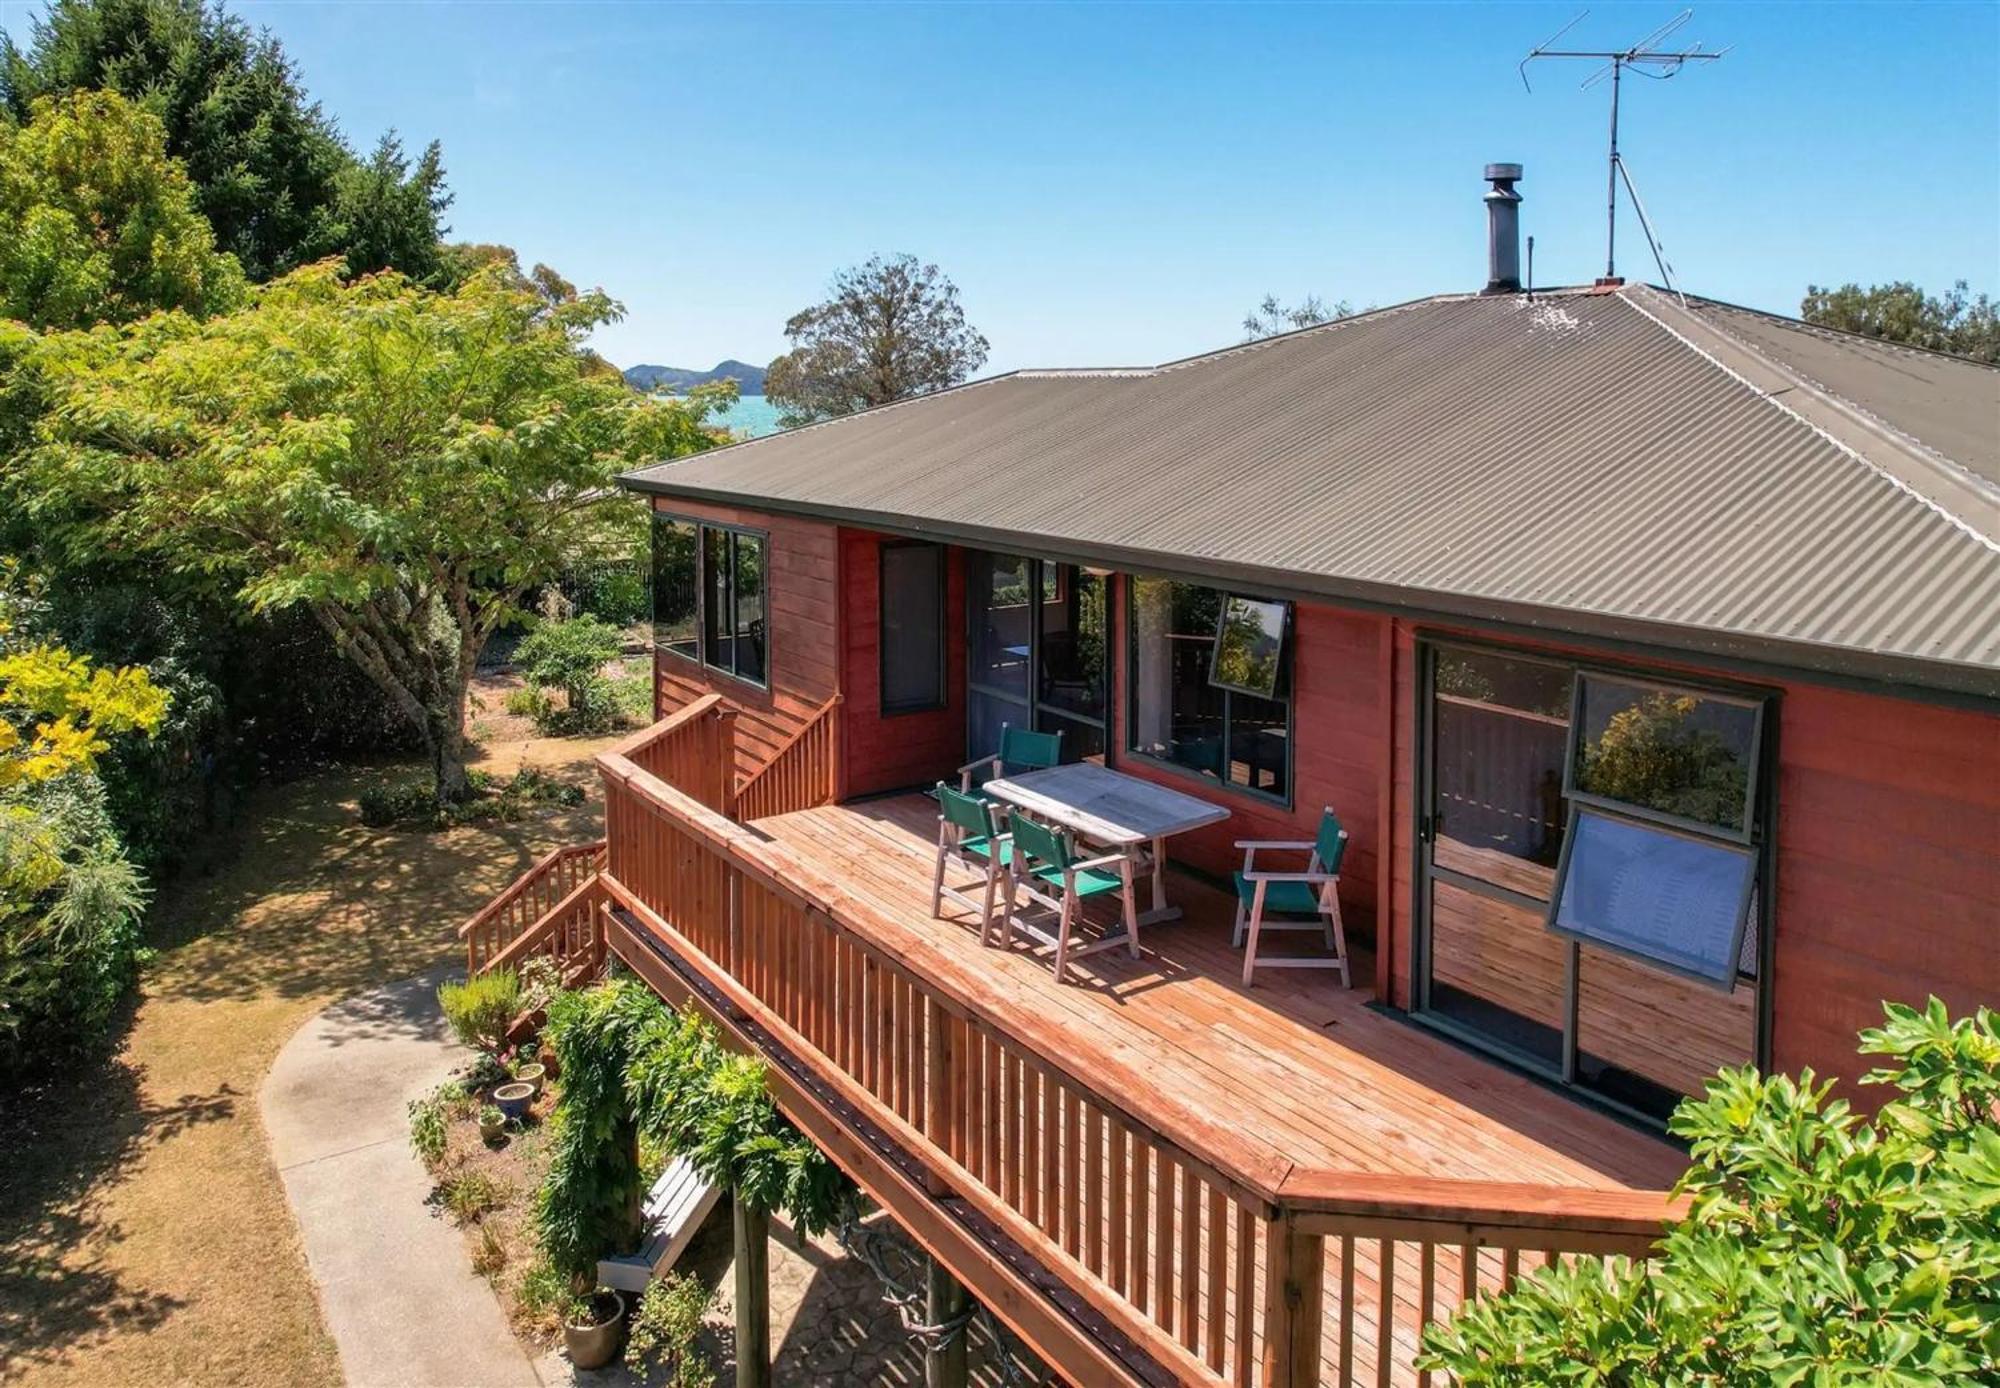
[{"x": 1589, "y": 462}]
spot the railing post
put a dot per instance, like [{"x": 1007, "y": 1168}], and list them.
[
  {"x": 937, "y": 1074},
  {"x": 724, "y": 752},
  {"x": 1294, "y": 1282},
  {"x": 753, "y": 1295},
  {"x": 944, "y": 1301}
]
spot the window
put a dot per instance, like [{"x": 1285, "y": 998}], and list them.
[
  {"x": 676, "y": 589},
  {"x": 1036, "y": 652},
  {"x": 1183, "y": 638},
  {"x": 709, "y": 602},
  {"x": 912, "y": 627},
  {"x": 1681, "y": 756},
  {"x": 1668, "y": 898}
]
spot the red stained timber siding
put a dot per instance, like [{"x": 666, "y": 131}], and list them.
[
  {"x": 1888, "y": 867},
  {"x": 1340, "y": 727},
  {"x": 894, "y": 751},
  {"x": 803, "y": 575}
]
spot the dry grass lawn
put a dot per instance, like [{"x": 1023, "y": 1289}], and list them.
[{"x": 144, "y": 1236}]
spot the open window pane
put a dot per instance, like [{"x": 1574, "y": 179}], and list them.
[
  {"x": 675, "y": 586},
  {"x": 1500, "y": 732},
  {"x": 1667, "y": 751},
  {"x": 747, "y": 585},
  {"x": 1664, "y": 897},
  {"x": 912, "y": 627},
  {"x": 1249, "y": 646}
]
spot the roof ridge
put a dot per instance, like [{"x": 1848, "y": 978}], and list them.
[
  {"x": 1825, "y": 330},
  {"x": 1958, "y": 477}
]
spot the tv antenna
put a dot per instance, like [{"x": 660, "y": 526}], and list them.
[{"x": 1646, "y": 58}]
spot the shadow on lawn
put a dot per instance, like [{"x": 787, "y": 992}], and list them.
[{"x": 60, "y": 1145}]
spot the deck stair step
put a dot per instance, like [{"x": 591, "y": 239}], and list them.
[{"x": 675, "y": 1208}]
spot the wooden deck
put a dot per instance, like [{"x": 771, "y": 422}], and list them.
[{"x": 1311, "y": 1070}]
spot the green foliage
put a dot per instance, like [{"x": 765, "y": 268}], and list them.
[
  {"x": 482, "y": 1008},
  {"x": 543, "y": 1291},
  {"x": 891, "y": 328},
  {"x": 1901, "y": 312},
  {"x": 1270, "y": 318},
  {"x": 271, "y": 172},
  {"x": 1653, "y": 754},
  {"x": 665, "y": 1330},
  {"x": 427, "y": 1130},
  {"x": 570, "y": 657},
  {"x": 1821, "y": 1247},
  {"x": 413, "y": 804},
  {"x": 211, "y": 450},
  {"x": 97, "y": 224},
  {"x": 470, "y": 1196},
  {"x": 649, "y": 1072}
]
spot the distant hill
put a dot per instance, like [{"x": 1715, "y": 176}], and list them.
[{"x": 749, "y": 379}]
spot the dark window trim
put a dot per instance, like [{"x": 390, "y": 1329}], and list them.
[
  {"x": 1743, "y": 833},
  {"x": 1765, "y": 811},
  {"x": 1128, "y": 744},
  {"x": 943, "y": 697},
  {"x": 701, "y": 585}
]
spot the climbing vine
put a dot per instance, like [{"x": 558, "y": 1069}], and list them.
[{"x": 632, "y": 1067}]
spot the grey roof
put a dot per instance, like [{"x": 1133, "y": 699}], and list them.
[{"x": 1617, "y": 464}]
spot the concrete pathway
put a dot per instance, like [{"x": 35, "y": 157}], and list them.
[{"x": 395, "y": 1284}]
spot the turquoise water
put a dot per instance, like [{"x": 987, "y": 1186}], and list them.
[{"x": 752, "y": 416}]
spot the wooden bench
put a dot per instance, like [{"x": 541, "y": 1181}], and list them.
[{"x": 675, "y": 1207}]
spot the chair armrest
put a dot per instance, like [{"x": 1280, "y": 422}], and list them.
[
  {"x": 972, "y": 766},
  {"x": 1273, "y": 843},
  {"x": 1108, "y": 860},
  {"x": 1291, "y": 877}
]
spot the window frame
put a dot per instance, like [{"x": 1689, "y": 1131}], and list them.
[
  {"x": 1128, "y": 745},
  {"x": 706, "y": 658},
  {"x": 1744, "y": 834},
  {"x": 652, "y": 536},
  {"x": 943, "y": 697}
]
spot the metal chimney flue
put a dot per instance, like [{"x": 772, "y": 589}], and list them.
[{"x": 1503, "y": 230}]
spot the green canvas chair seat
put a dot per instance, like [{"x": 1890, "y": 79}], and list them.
[
  {"x": 1270, "y": 898},
  {"x": 966, "y": 839},
  {"x": 1045, "y": 870}
]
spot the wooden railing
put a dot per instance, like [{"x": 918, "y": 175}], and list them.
[
  {"x": 571, "y": 933},
  {"x": 505, "y": 918},
  {"x": 1197, "y": 1241},
  {"x": 802, "y": 773},
  {"x": 692, "y": 749}
]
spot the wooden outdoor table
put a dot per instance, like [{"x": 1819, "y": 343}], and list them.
[{"x": 1110, "y": 808}]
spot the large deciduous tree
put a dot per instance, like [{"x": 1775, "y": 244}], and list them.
[
  {"x": 891, "y": 328},
  {"x": 406, "y": 465},
  {"x": 97, "y": 224},
  {"x": 1901, "y": 312},
  {"x": 271, "y": 172}
]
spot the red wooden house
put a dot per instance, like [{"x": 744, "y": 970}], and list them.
[{"x": 1648, "y": 649}]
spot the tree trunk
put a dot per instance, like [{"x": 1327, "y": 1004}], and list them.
[{"x": 445, "y": 732}]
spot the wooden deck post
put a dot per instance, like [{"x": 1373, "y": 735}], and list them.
[
  {"x": 753, "y": 1295},
  {"x": 1294, "y": 1279},
  {"x": 944, "y": 1300}
]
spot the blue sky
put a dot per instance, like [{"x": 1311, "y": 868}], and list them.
[{"x": 1117, "y": 183}]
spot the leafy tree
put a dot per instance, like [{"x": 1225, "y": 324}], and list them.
[
  {"x": 1271, "y": 318},
  {"x": 1821, "y": 1247},
  {"x": 891, "y": 328},
  {"x": 97, "y": 224},
  {"x": 390, "y": 212},
  {"x": 271, "y": 172},
  {"x": 404, "y": 465},
  {"x": 1901, "y": 312},
  {"x": 571, "y": 656}
]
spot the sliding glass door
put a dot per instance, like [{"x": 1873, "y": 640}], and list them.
[
  {"x": 1590, "y": 849},
  {"x": 1037, "y": 652}
]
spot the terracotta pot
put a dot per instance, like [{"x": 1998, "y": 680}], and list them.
[
  {"x": 513, "y": 1098},
  {"x": 594, "y": 1346}
]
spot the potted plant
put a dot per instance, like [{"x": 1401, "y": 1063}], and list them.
[
  {"x": 593, "y": 1328},
  {"x": 492, "y": 1122},
  {"x": 513, "y": 1098},
  {"x": 533, "y": 1073}
]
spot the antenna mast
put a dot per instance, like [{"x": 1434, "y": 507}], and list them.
[{"x": 1647, "y": 59}]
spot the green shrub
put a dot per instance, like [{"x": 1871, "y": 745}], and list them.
[
  {"x": 570, "y": 657},
  {"x": 527, "y": 702},
  {"x": 71, "y": 907},
  {"x": 665, "y": 1329},
  {"x": 428, "y": 1133},
  {"x": 412, "y": 804},
  {"x": 471, "y": 1195},
  {"x": 1821, "y": 1248},
  {"x": 481, "y": 1009}
]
